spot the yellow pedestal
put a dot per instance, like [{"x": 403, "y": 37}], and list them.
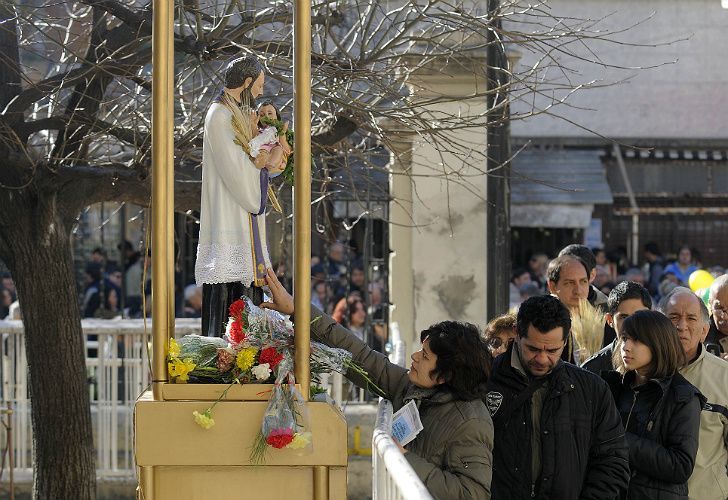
[{"x": 179, "y": 460}]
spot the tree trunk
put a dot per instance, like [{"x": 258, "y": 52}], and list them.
[{"x": 37, "y": 248}]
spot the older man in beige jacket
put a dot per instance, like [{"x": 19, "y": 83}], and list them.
[{"x": 709, "y": 374}]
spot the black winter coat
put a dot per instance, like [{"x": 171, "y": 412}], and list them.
[
  {"x": 662, "y": 418},
  {"x": 583, "y": 449}
]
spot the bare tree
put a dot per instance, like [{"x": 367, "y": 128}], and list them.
[{"x": 75, "y": 122}]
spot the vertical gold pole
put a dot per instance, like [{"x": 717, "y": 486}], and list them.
[
  {"x": 302, "y": 192},
  {"x": 320, "y": 482},
  {"x": 162, "y": 189},
  {"x": 146, "y": 483}
]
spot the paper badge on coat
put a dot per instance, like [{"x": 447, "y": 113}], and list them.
[{"x": 493, "y": 401}]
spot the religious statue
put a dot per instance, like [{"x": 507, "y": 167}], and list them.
[{"x": 232, "y": 252}]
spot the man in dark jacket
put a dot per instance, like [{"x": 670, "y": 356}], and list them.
[
  {"x": 558, "y": 434},
  {"x": 624, "y": 300}
]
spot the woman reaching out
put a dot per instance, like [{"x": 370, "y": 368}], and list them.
[{"x": 452, "y": 455}]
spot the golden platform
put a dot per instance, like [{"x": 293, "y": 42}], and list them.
[{"x": 180, "y": 460}]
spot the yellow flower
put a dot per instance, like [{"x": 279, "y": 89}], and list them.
[
  {"x": 300, "y": 440},
  {"x": 203, "y": 419},
  {"x": 180, "y": 369},
  {"x": 245, "y": 358},
  {"x": 173, "y": 348}
]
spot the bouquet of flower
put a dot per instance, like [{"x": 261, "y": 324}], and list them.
[{"x": 258, "y": 347}]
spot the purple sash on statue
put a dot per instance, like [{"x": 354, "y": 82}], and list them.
[{"x": 258, "y": 259}]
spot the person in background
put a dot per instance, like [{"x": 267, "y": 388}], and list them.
[
  {"x": 452, "y": 455},
  {"x": 6, "y": 300},
  {"x": 569, "y": 282},
  {"x": 709, "y": 374},
  {"x": 635, "y": 274},
  {"x": 655, "y": 268},
  {"x": 530, "y": 290},
  {"x": 624, "y": 300},
  {"x": 717, "y": 339},
  {"x": 558, "y": 434},
  {"x": 9, "y": 285},
  {"x": 193, "y": 301},
  {"x": 537, "y": 266},
  {"x": 499, "y": 333},
  {"x": 519, "y": 277},
  {"x": 684, "y": 266},
  {"x": 595, "y": 296},
  {"x": 660, "y": 410},
  {"x": 133, "y": 272}
]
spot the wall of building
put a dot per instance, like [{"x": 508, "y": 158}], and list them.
[
  {"x": 681, "y": 95},
  {"x": 437, "y": 231}
]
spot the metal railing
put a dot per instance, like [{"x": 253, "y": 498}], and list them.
[
  {"x": 392, "y": 476},
  {"x": 118, "y": 372}
]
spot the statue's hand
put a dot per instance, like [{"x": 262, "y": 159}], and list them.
[
  {"x": 261, "y": 159},
  {"x": 283, "y": 140},
  {"x": 282, "y": 300}
]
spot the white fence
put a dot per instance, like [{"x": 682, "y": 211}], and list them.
[
  {"x": 118, "y": 372},
  {"x": 392, "y": 477}
]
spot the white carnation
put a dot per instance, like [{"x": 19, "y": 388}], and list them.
[{"x": 261, "y": 372}]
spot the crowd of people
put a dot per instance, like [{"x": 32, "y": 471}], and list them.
[
  {"x": 657, "y": 273},
  {"x": 525, "y": 410},
  {"x": 339, "y": 286}
]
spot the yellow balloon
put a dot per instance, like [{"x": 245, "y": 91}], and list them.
[{"x": 700, "y": 279}]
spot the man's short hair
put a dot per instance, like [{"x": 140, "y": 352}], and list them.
[
  {"x": 583, "y": 253},
  {"x": 544, "y": 313},
  {"x": 662, "y": 306},
  {"x": 555, "y": 266},
  {"x": 719, "y": 284},
  {"x": 518, "y": 272},
  {"x": 627, "y": 290},
  {"x": 652, "y": 248}
]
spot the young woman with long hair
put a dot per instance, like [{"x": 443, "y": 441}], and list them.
[{"x": 660, "y": 409}]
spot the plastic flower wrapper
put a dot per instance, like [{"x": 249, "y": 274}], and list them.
[
  {"x": 198, "y": 353},
  {"x": 265, "y": 325},
  {"x": 285, "y": 421}
]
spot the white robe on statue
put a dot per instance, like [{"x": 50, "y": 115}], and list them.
[{"x": 231, "y": 191}]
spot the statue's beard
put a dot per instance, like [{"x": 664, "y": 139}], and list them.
[{"x": 246, "y": 99}]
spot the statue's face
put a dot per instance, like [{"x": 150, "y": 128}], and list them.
[{"x": 257, "y": 88}]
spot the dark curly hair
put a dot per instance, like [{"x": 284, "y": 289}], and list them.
[
  {"x": 463, "y": 360},
  {"x": 627, "y": 290},
  {"x": 545, "y": 313}
]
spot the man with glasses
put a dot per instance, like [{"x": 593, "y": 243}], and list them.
[
  {"x": 557, "y": 431},
  {"x": 624, "y": 300},
  {"x": 717, "y": 340}
]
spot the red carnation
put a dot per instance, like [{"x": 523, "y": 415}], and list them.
[
  {"x": 271, "y": 356},
  {"x": 237, "y": 308},
  {"x": 237, "y": 335},
  {"x": 279, "y": 438}
]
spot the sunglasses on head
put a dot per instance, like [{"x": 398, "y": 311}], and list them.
[{"x": 497, "y": 342}]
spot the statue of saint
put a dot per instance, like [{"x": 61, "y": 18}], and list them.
[{"x": 232, "y": 253}]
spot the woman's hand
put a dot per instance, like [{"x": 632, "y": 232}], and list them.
[{"x": 282, "y": 300}]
